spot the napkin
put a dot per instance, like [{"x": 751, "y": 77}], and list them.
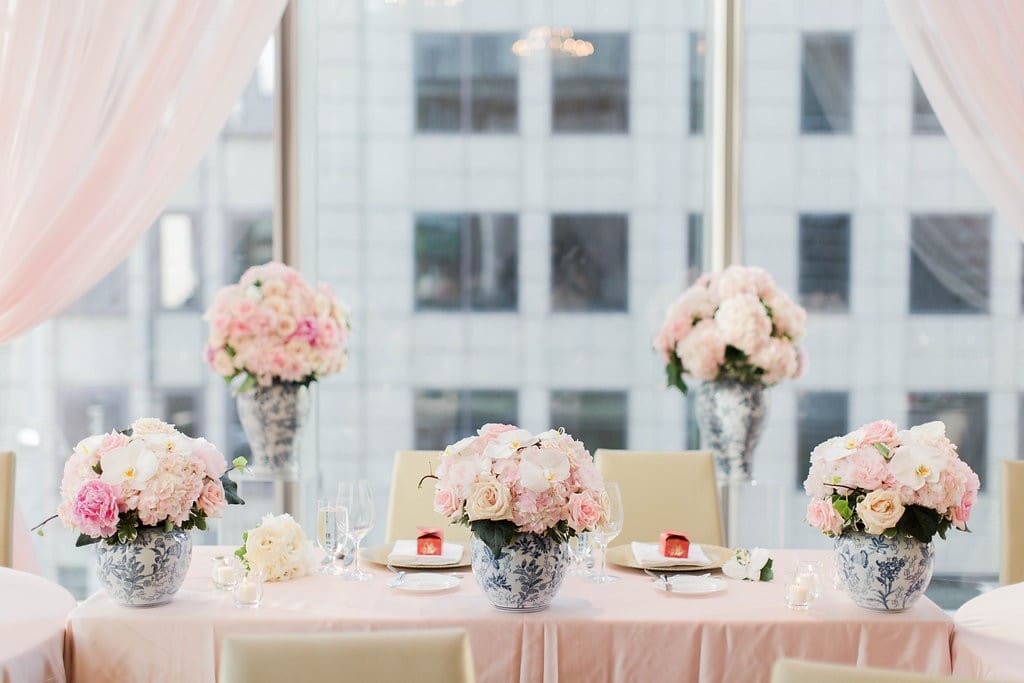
[
  {"x": 649, "y": 555},
  {"x": 404, "y": 552}
]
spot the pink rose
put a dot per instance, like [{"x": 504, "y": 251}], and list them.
[
  {"x": 960, "y": 514},
  {"x": 213, "y": 461},
  {"x": 494, "y": 428},
  {"x": 94, "y": 510},
  {"x": 306, "y": 329},
  {"x": 584, "y": 512},
  {"x": 446, "y": 503},
  {"x": 822, "y": 515},
  {"x": 211, "y": 500},
  {"x": 879, "y": 431}
]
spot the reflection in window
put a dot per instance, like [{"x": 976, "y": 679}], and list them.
[
  {"x": 694, "y": 246},
  {"x": 466, "y": 82},
  {"x": 597, "y": 418},
  {"x": 252, "y": 243},
  {"x": 85, "y": 411},
  {"x": 826, "y": 84},
  {"x": 467, "y": 261},
  {"x": 591, "y": 94},
  {"x": 824, "y": 280},
  {"x": 698, "y": 46},
  {"x": 925, "y": 121},
  {"x": 183, "y": 409},
  {"x": 966, "y": 417},
  {"x": 176, "y": 267},
  {"x": 949, "y": 263},
  {"x": 109, "y": 296},
  {"x": 820, "y": 416},
  {"x": 589, "y": 260},
  {"x": 443, "y": 416}
]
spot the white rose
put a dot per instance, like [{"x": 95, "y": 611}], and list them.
[
  {"x": 880, "y": 510},
  {"x": 279, "y": 548},
  {"x": 489, "y": 499}
]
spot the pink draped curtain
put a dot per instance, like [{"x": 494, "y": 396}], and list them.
[
  {"x": 969, "y": 57},
  {"x": 107, "y": 106}
]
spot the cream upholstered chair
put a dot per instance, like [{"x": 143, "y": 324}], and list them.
[
  {"x": 1011, "y": 569},
  {"x": 799, "y": 671},
  {"x": 665, "y": 491},
  {"x": 6, "y": 509},
  {"x": 428, "y": 656},
  {"x": 409, "y": 507}
]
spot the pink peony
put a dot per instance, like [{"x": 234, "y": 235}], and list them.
[
  {"x": 822, "y": 515},
  {"x": 211, "y": 500},
  {"x": 703, "y": 351},
  {"x": 94, "y": 510},
  {"x": 306, "y": 330},
  {"x": 213, "y": 461},
  {"x": 495, "y": 428}
]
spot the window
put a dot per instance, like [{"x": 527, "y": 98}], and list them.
[
  {"x": 91, "y": 410},
  {"x": 591, "y": 94},
  {"x": 825, "y": 261},
  {"x": 183, "y": 409},
  {"x": 924, "y": 121},
  {"x": 826, "y": 83},
  {"x": 820, "y": 416},
  {"x": 949, "y": 263},
  {"x": 698, "y": 46},
  {"x": 466, "y": 261},
  {"x": 589, "y": 262},
  {"x": 175, "y": 267},
  {"x": 966, "y": 418},
  {"x": 443, "y": 416},
  {"x": 76, "y": 579},
  {"x": 252, "y": 243},
  {"x": 597, "y": 418},
  {"x": 108, "y": 297},
  {"x": 694, "y": 246},
  {"x": 253, "y": 114},
  {"x": 466, "y": 82}
]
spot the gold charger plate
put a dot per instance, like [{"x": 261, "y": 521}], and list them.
[
  {"x": 622, "y": 556},
  {"x": 379, "y": 555}
]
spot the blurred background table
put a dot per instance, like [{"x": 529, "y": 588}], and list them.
[
  {"x": 32, "y": 616},
  {"x": 989, "y": 639}
]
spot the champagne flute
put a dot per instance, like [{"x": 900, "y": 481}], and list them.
[
  {"x": 357, "y": 498},
  {"x": 327, "y": 538},
  {"x": 607, "y": 530}
]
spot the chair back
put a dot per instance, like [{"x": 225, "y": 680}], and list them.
[
  {"x": 800, "y": 671},
  {"x": 1011, "y": 545},
  {"x": 6, "y": 509},
  {"x": 665, "y": 491},
  {"x": 410, "y": 507},
  {"x": 425, "y": 656}
]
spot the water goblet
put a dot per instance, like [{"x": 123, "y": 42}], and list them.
[
  {"x": 331, "y": 522},
  {"x": 606, "y": 532},
  {"x": 357, "y": 498}
]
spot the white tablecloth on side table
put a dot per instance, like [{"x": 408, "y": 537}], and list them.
[
  {"x": 989, "y": 639},
  {"x": 33, "y": 612}
]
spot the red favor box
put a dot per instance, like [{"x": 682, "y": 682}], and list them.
[
  {"x": 674, "y": 544},
  {"x": 429, "y": 540}
]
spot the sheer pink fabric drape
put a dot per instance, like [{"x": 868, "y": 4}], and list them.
[
  {"x": 107, "y": 106},
  {"x": 969, "y": 57}
]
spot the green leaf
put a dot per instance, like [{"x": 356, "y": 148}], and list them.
[
  {"x": 495, "y": 534},
  {"x": 674, "y": 373},
  {"x": 230, "y": 490},
  {"x": 883, "y": 449},
  {"x": 842, "y": 506},
  {"x": 919, "y": 522},
  {"x": 84, "y": 540},
  {"x": 767, "y": 574},
  {"x": 97, "y": 468},
  {"x": 168, "y": 525}
]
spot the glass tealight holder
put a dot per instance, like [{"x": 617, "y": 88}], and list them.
[
  {"x": 810, "y": 573},
  {"x": 804, "y": 587},
  {"x": 249, "y": 589},
  {"x": 225, "y": 571}
]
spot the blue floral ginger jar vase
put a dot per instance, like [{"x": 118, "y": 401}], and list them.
[
  {"x": 148, "y": 571},
  {"x": 526, "y": 574},
  {"x": 273, "y": 418},
  {"x": 882, "y": 573},
  {"x": 730, "y": 415}
]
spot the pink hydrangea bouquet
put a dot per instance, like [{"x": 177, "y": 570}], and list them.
[
  {"x": 505, "y": 481},
  {"x": 881, "y": 480},
  {"x": 150, "y": 475},
  {"x": 273, "y": 327},
  {"x": 732, "y": 325}
]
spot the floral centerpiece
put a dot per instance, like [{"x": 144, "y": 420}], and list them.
[
  {"x": 736, "y": 332},
  {"x": 884, "y": 494},
  {"x": 523, "y": 496},
  {"x": 137, "y": 494},
  {"x": 278, "y": 548},
  {"x": 271, "y": 335}
]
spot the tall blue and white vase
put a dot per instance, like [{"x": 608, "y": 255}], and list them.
[
  {"x": 148, "y": 571},
  {"x": 273, "y": 418},
  {"x": 881, "y": 573},
  {"x": 730, "y": 415},
  {"x": 526, "y": 574}
]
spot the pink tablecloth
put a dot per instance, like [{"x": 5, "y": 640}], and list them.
[
  {"x": 620, "y": 632},
  {"x": 32, "y": 616},
  {"x": 989, "y": 639}
]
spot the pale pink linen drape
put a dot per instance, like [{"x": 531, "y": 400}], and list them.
[
  {"x": 969, "y": 57},
  {"x": 107, "y": 105}
]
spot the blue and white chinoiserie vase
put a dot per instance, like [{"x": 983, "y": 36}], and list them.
[
  {"x": 273, "y": 418},
  {"x": 884, "y": 574},
  {"x": 148, "y": 571},
  {"x": 730, "y": 415},
  {"x": 525, "y": 576}
]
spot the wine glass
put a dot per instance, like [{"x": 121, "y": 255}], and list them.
[
  {"x": 331, "y": 524},
  {"x": 357, "y": 498},
  {"x": 606, "y": 532},
  {"x": 580, "y": 553}
]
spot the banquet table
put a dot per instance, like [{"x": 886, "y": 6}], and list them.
[
  {"x": 989, "y": 639},
  {"x": 32, "y": 616},
  {"x": 625, "y": 631}
]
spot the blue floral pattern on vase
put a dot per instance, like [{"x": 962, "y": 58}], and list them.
[
  {"x": 881, "y": 573},
  {"x": 273, "y": 418},
  {"x": 730, "y": 416},
  {"x": 525, "y": 576},
  {"x": 148, "y": 571}
]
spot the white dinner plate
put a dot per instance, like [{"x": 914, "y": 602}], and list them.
[
  {"x": 622, "y": 556},
  {"x": 379, "y": 555},
  {"x": 690, "y": 585},
  {"x": 425, "y": 582}
]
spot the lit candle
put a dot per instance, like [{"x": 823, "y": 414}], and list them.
[
  {"x": 247, "y": 592},
  {"x": 796, "y": 593},
  {"x": 225, "y": 575}
]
